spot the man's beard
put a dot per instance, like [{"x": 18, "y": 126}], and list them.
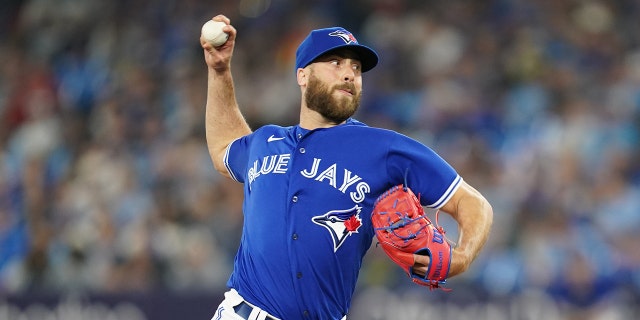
[{"x": 320, "y": 99}]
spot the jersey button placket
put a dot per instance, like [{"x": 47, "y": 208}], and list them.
[{"x": 294, "y": 236}]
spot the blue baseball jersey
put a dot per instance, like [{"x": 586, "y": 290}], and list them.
[{"x": 308, "y": 197}]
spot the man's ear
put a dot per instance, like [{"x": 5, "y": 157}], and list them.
[{"x": 302, "y": 77}]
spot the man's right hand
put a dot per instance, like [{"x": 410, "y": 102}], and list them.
[{"x": 219, "y": 58}]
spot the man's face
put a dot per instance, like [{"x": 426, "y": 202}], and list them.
[{"x": 334, "y": 89}]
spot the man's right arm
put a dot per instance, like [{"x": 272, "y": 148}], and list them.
[{"x": 224, "y": 122}]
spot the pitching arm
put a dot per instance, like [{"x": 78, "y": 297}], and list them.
[{"x": 223, "y": 120}]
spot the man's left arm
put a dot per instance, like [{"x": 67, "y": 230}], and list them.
[{"x": 474, "y": 216}]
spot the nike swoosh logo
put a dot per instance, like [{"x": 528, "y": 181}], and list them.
[{"x": 272, "y": 138}]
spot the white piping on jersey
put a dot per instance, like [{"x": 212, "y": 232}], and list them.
[
  {"x": 225, "y": 159},
  {"x": 445, "y": 197}
]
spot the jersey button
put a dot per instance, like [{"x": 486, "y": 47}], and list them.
[
  {"x": 299, "y": 136},
  {"x": 295, "y": 236},
  {"x": 294, "y": 199},
  {"x": 299, "y": 275},
  {"x": 303, "y": 150},
  {"x": 305, "y": 313}
]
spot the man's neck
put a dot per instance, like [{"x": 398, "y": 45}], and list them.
[{"x": 311, "y": 120}]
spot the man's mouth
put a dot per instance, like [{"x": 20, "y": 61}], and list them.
[{"x": 346, "y": 90}]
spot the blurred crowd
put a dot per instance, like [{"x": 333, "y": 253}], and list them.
[{"x": 106, "y": 183}]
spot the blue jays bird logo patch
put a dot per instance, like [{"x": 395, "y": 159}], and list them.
[
  {"x": 340, "y": 224},
  {"x": 345, "y": 36}
]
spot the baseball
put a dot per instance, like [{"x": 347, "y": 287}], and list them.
[{"x": 212, "y": 32}]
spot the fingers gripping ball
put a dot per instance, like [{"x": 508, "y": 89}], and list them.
[
  {"x": 212, "y": 33},
  {"x": 403, "y": 229}
]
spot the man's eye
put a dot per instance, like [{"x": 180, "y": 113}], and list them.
[
  {"x": 335, "y": 62},
  {"x": 356, "y": 67}
]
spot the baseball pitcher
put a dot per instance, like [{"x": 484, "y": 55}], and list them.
[{"x": 316, "y": 195}]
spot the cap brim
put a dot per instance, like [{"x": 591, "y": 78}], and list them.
[{"x": 368, "y": 58}]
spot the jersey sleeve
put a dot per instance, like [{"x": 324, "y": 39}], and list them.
[
  {"x": 424, "y": 171},
  {"x": 235, "y": 158}
]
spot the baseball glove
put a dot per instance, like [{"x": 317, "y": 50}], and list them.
[{"x": 403, "y": 229}]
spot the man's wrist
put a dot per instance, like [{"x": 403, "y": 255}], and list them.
[{"x": 460, "y": 262}]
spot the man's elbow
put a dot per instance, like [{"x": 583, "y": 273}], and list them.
[{"x": 488, "y": 212}]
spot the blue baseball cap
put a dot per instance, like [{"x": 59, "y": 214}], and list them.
[{"x": 321, "y": 41}]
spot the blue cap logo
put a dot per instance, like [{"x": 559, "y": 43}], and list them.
[
  {"x": 344, "y": 35},
  {"x": 321, "y": 41}
]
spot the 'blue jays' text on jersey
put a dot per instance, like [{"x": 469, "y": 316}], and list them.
[{"x": 307, "y": 207}]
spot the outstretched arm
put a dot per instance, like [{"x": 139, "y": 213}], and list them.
[
  {"x": 474, "y": 216},
  {"x": 223, "y": 120}
]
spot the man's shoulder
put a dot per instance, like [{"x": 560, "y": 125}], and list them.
[
  {"x": 358, "y": 126},
  {"x": 271, "y": 129}
]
